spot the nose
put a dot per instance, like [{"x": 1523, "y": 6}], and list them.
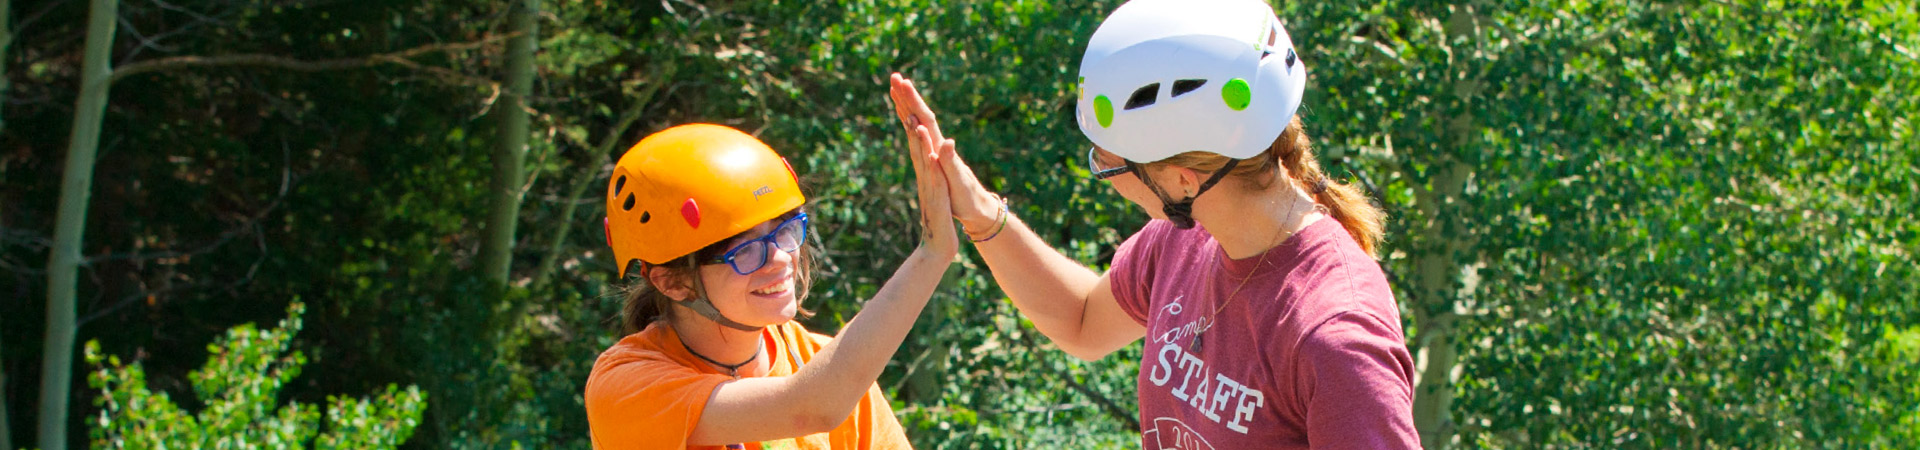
[{"x": 779, "y": 260}]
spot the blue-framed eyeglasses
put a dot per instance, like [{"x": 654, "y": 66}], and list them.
[
  {"x": 1099, "y": 173},
  {"x": 752, "y": 255}
]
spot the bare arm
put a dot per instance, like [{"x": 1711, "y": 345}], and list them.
[
  {"x": 825, "y": 390},
  {"x": 1068, "y": 302},
  {"x": 821, "y": 395}
]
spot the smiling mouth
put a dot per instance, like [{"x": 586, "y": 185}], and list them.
[{"x": 782, "y": 287}]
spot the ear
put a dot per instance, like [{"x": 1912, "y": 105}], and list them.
[
  {"x": 663, "y": 280},
  {"x": 1282, "y": 176},
  {"x": 1188, "y": 179}
]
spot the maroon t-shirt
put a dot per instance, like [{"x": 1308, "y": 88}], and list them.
[{"x": 1309, "y": 355}]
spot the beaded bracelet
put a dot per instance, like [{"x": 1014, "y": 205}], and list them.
[{"x": 997, "y": 229}]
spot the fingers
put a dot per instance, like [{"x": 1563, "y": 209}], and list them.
[
  {"x": 936, "y": 213},
  {"x": 910, "y": 106},
  {"x": 939, "y": 161},
  {"x": 936, "y": 206},
  {"x": 914, "y": 102},
  {"x": 928, "y": 176},
  {"x": 957, "y": 172},
  {"x": 969, "y": 201},
  {"x": 922, "y": 140},
  {"x": 949, "y": 160},
  {"x": 898, "y": 90},
  {"x": 930, "y": 152},
  {"x": 895, "y": 90}
]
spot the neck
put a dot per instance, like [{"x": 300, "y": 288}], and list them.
[
  {"x": 720, "y": 343},
  {"x": 1247, "y": 222}
]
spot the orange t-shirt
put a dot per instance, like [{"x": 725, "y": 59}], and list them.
[{"x": 647, "y": 392}]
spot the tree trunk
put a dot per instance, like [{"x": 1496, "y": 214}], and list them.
[
  {"x": 1437, "y": 270},
  {"x": 6, "y": 40},
  {"x": 6, "y": 428},
  {"x": 510, "y": 147},
  {"x": 662, "y": 77},
  {"x": 1435, "y": 276},
  {"x": 76, "y": 185}
]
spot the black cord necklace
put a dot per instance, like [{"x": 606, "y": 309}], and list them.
[{"x": 732, "y": 369}]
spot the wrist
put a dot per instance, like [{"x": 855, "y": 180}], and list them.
[
  {"x": 933, "y": 255},
  {"x": 978, "y": 228},
  {"x": 993, "y": 229},
  {"x": 992, "y": 208}
]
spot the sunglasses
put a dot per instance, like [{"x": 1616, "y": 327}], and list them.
[
  {"x": 750, "y": 256},
  {"x": 1099, "y": 173}
]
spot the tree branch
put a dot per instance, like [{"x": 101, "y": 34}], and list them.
[
  {"x": 1112, "y": 408},
  {"x": 607, "y": 143},
  {"x": 281, "y": 62},
  {"x": 251, "y": 225},
  {"x": 259, "y": 240}
]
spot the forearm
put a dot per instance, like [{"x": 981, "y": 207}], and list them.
[
  {"x": 1047, "y": 286},
  {"x": 839, "y": 375},
  {"x": 827, "y": 388}
]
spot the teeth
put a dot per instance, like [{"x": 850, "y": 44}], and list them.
[{"x": 775, "y": 289}]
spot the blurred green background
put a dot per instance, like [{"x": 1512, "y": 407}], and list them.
[{"x": 1612, "y": 224}]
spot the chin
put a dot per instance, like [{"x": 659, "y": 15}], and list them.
[
  {"x": 782, "y": 315},
  {"x": 789, "y": 311}
]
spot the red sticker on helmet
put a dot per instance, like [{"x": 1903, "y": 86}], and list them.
[
  {"x": 607, "y": 224},
  {"x": 691, "y": 211},
  {"x": 796, "y": 177}
]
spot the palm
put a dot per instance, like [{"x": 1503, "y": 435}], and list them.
[{"x": 968, "y": 200}]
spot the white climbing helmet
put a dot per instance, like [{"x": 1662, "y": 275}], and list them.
[{"x": 1165, "y": 77}]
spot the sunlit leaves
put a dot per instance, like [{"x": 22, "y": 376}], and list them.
[{"x": 238, "y": 393}]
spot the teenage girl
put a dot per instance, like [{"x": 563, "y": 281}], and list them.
[{"x": 715, "y": 359}]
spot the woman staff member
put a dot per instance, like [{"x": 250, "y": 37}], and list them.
[
  {"x": 1268, "y": 323},
  {"x": 716, "y": 219}
]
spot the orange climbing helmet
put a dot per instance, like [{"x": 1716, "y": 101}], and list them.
[{"x": 687, "y": 187}]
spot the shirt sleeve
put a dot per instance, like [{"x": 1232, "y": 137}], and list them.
[
  {"x": 1131, "y": 276},
  {"x": 885, "y": 432},
  {"x": 647, "y": 404},
  {"x": 1357, "y": 379},
  {"x": 875, "y": 426}
]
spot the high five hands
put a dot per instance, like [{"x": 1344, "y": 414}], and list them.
[
  {"x": 936, "y": 218},
  {"x": 975, "y": 207}
]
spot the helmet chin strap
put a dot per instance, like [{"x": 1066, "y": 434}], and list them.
[
  {"x": 1181, "y": 212},
  {"x": 705, "y": 308}
]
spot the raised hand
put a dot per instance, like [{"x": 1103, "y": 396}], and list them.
[
  {"x": 936, "y": 216},
  {"x": 976, "y": 207}
]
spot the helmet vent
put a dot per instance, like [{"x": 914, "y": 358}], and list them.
[
  {"x": 645, "y": 217},
  {"x": 618, "y": 184},
  {"x": 1290, "y": 59},
  {"x": 1182, "y": 87},
  {"x": 628, "y": 206},
  {"x": 1143, "y": 97}
]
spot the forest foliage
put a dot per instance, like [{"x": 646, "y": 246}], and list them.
[{"x": 1610, "y": 223}]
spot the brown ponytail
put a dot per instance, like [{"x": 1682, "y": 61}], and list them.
[{"x": 1347, "y": 203}]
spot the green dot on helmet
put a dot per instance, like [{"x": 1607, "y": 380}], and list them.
[
  {"x": 1103, "y": 110},
  {"x": 1237, "y": 94}
]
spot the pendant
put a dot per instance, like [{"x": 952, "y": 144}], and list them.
[{"x": 1194, "y": 345}]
